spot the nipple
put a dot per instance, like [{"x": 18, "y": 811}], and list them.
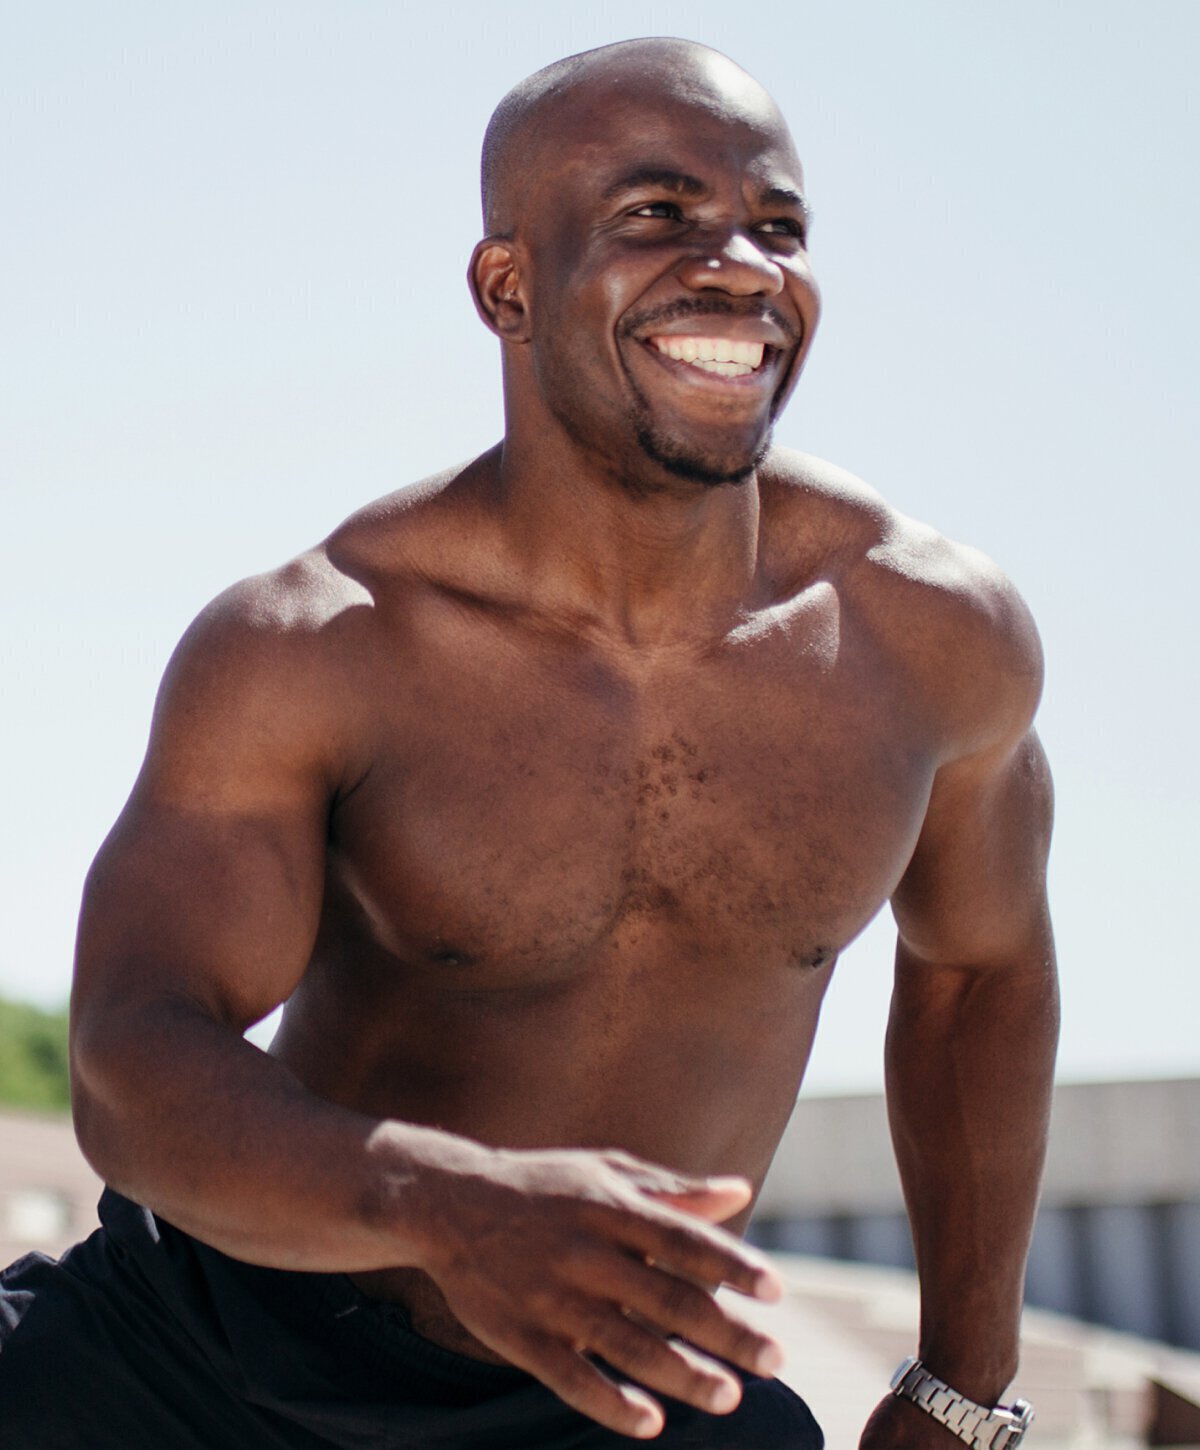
[{"x": 453, "y": 957}]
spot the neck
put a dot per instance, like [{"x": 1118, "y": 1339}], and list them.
[{"x": 649, "y": 561}]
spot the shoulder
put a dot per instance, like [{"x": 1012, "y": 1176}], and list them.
[
  {"x": 251, "y": 688},
  {"x": 279, "y": 660},
  {"x": 269, "y": 627},
  {"x": 274, "y": 663},
  {"x": 942, "y": 613},
  {"x": 318, "y": 609}
]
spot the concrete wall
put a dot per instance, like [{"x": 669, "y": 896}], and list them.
[
  {"x": 1118, "y": 1235},
  {"x": 47, "y": 1191},
  {"x": 1117, "y": 1239}
]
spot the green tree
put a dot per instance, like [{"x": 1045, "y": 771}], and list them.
[{"x": 33, "y": 1057}]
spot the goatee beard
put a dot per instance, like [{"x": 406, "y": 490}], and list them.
[{"x": 677, "y": 460}]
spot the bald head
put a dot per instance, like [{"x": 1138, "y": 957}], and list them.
[
  {"x": 612, "y": 75},
  {"x": 636, "y": 195}
]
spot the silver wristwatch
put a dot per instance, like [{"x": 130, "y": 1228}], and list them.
[{"x": 1000, "y": 1429}]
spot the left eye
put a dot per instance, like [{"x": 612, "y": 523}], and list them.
[
  {"x": 781, "y": 227},
  {"x": 659, "y": 209}
]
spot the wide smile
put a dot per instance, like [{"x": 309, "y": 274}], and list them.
[{"x": 714, "y": 363}]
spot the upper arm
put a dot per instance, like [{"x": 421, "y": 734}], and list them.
[
  {"x": 974, "y": 891},
  {"x": 209, "y": 887}
]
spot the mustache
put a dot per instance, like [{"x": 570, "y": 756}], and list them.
[{"x": 696, "y": 307}]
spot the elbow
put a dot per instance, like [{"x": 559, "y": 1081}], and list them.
[
  {"x": 94, "y": 1143},
  {"x": 96, "y": 1094},
  {"x": 110, "y": 1098}
]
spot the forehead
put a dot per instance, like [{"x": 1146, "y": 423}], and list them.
[{"x": 698, "y": 117}]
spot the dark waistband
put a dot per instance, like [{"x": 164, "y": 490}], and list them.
[
  {"x": 338, "y": 1369},
  {"x": 260, "y": 1313}
]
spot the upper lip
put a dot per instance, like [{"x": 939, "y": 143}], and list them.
[
  {"x": 733, "y": 329},
  {"x": 765, "y": 325}
]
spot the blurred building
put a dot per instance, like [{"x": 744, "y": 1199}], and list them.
[
  {"x": 1118, "y": 1236},
  {"x": 47, "y": 1191},
  {"x": 846, "y": 1326},
  {"x": 1118, "y": 1243}
]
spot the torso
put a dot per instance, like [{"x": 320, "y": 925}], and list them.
[{"x": 578, "y": 896}]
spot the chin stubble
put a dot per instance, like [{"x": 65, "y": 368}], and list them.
[{"x": 683, "y": 464}]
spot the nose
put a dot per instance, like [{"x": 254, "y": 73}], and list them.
[{"x": 732, "y": 262}]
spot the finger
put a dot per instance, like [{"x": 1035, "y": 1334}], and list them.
[
  {"x": 577, "y": 1382},
  {"x": 675, "y": 1306},
  {"x": 685, "y": 1188},
  {"x": 665, "y": 1366},
  {"x": 693, "y": 1249},
  {"x": 715, "y": 1199}
]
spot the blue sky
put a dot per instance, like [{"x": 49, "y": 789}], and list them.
[{"x": 232, "y": 305}]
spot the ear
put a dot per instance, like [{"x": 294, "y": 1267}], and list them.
[{"x": 496, "y": 283}]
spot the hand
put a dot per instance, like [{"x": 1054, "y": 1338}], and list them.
[
  {"x": 897, "y": 1424},
  {"x": 550, "y": 1256}
]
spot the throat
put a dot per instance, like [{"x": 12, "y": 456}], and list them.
[{"x": 639, "y": 551}]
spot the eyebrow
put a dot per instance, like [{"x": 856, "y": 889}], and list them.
[
  {"x": 785, "y": 196},
  {"x": 682, "y": 184},
  {"x": 660, "y": 176}
]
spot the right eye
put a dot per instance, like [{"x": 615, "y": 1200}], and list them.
[{"x": 669, "y": 210}]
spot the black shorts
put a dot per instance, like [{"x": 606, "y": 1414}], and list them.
[{"x": 141, "y": 1338}]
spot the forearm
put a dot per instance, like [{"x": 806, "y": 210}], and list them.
[
  {"x": 969, "y": 1067},
  {"x": 175, "y": 1110},
  {"x": 536, "y": 1253}
]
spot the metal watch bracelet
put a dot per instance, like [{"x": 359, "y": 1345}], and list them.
[{"x": 1001, "y": 1428}]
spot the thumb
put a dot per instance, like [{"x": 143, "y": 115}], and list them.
[{"x": 715, "y": 1199}]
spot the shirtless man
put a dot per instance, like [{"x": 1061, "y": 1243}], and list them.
[{"x": 546, "y": 793}]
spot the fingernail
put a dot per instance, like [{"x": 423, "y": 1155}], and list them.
[
  {"x": 768, "y": 1285},
  {"x": 649, "y": 1424},
  {"x": 769, "y": 1359},
  {"x": 724, "y": 1396}
]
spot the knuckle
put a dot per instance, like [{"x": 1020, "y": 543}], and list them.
[
  {"x": 603, "y": 1329},
  {"x": 600, "y": 1324},
  {"x": 696, "y": 1249},
  {"x": 683, "y": 1302},
  {"x": 575, "y": 1373},
  {"x": 543, "y": 1301},
  {"x": 583, "y": 1261},
  {"x": 636, "y": 1353}
]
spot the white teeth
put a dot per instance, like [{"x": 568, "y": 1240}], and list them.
[
  {"x": 725, "y": 369},
  {"x": 713, "y": 354}
]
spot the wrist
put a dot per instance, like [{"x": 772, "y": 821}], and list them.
[
  {"x": 973, "y": 1340},
  {"x": 982, "y": 1425},
  {"x": 415, "y": 1175},
  {"x": 979, "y": 1375}
]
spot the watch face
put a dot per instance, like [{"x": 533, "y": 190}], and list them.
[{"x": 1021, "y": 1414}]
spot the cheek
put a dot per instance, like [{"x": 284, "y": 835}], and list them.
[
  {"x": 807, "y": 296},
  {"x": 572, "y": 365},
  {"x": 574, "y": 327},
  {"x": 585, "y": 281}
]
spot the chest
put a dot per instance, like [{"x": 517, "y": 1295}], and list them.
[{"x": 521, "y": 816}]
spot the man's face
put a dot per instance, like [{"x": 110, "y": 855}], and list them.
[{"x": 671, "y": 297}]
